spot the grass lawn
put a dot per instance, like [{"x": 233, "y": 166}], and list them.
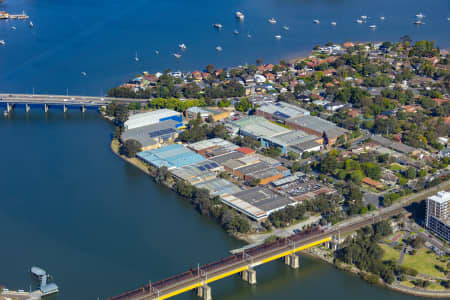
[
  {"x": 424, "y": 263},
  {"x": 396, "y": 167},
  {"x": 389, "y": 253},
  {"x": 436, "y": 287},
  {"x": 407, "y": 283}
]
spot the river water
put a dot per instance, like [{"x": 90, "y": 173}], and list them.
[
  {"x": 101, "y": 226},
  {"x": 102, "y": 37}
]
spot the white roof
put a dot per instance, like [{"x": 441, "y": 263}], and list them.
[
  {"x": 441, "y": 197},
  {"x": 148, "y": 118}
]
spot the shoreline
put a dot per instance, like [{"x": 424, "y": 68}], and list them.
[{"x": 354, "y": 270}]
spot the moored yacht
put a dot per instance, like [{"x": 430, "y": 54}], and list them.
[
  {"x": 182, "y": 46},
  {"x": 333, "y": 23},
  {"x": 373, "y": 26},
  {"x": 272, "y": 21},
  {"x": 218, "y": 49},
  {"x": 240, "y": 15},
  {"x": 286, "y": 28},
  {"x": 236, "y": 32},
  {"x": 218, "y": 26},
  {"x": 177, "y": 55},
  {"x": 364, "y": 18},
  {"x": 316, "y": 21},
  {"x": 382, "y": 18},
  {"x": 419, "y": 22},
  {"x": 278, "y": 37},
  {"x": 2, "y": 42},
  {"x": 359, "y": 21},
  {"x": 420, "y": 16}
]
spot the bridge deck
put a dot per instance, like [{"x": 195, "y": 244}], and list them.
[{"x": 237, "y": 263}]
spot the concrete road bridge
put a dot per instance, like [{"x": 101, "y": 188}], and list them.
[
  {"x": 10, "y": 101},
  {"x": 244, "y": 263}
]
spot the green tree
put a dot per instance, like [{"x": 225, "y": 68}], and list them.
[
  {"x": 410, "y": 173},
  {"x": 131, "y": 147},
  {"x": 243, "y": 105},
  {"x": 210, "y": 68}
]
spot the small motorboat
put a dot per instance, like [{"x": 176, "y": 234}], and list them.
[
  {"x": 31, "y": 24},
  {"x": 249, "y": 36},
  {"x": 236, "y": 32},
  {"x": 316, "y": 22},
  {"x": 359, "y": 21},
  {"x": 333, "y": 23},
  {"x": 84, "y": 73},
  {"x": 2, "y": 42},
  {"x": 240, "y": 16},
  {"x": 13, "y": 28},
  {"x": 278, "y": 37},
  {"x": 182, "y": 46},
  {"x": 419, "y": 22},
  {"x": 219, "y": 49},
  {"x": 286, "y": 28},
  {"x": 272, "y": 21},
  {"x": 420, "y": 16},
  {"x": 177, "y": 56},
  {"x": 364, "y": 18},
  {"x": 382, "y": 18},
  {"x": 373, "y": 27},
  {"x": 156, "y": 52},
  {"x": 218, "y": 26}
]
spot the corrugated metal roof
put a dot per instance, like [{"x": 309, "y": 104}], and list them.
[
  {"x": 257, "y": 126},
  {"x": 283, "y": 110},
  {"x": 219, "y": 187},
  {"x": 148, "y": 118},
  {"x": 172, "y": 156}
]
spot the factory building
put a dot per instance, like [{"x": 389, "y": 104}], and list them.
[
  {"x": 318, "y": 127},
  {"x": 257, "y": 203},
  {"x": 153, "y": 136},
  {"x": 273, "y": 135},
  {"x": 212, "y": 113},
  {"x": 153, "y": 117},
  {"x": 202, "y": 147},
  {"x": 171, "y": 156},
  {"x": 281, "y": 111}
]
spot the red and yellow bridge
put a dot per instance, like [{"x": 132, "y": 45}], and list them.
[{"x": 244, "y": 262}]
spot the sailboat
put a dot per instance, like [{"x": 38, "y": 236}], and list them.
[{"x": 136, "y": 58}]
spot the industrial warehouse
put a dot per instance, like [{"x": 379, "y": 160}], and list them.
[{"x": 259, "y": 184}]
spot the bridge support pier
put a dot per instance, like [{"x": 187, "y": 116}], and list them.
[
  {"x": 83, "y": 109},
  {"x": 249, "y": 276},
  {"x": 64, "y": 108},
  {"x": 292, "y": 260},
  {"x": 9, "y": 107},
  {"x": 204, "y": 292},
  {"x": 46, "y": 108},
  {"x": 27, "y": 107}
]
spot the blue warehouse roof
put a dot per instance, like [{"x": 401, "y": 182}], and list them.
[{"x": 172, "y": 156}]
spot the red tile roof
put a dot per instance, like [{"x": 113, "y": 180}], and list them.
[{"x": 245, "y": 150}]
